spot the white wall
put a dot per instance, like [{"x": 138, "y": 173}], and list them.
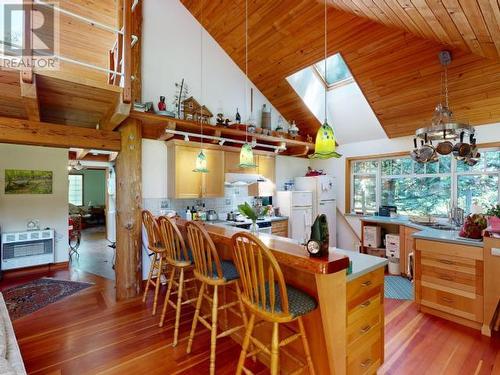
[
  {"x": 336, "y": 167},
  {"x": 288, "y": 167},
  {"x": 171, "y": 51},
  {"x": 154, "y": 169},
  {"x": 50, "y": 209}
]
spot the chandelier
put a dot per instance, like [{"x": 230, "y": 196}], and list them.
[{"x": 445, "y": 135}]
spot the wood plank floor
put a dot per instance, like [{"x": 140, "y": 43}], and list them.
[{"x": 89, "y": 333}]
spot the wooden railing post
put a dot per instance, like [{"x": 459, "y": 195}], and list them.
[
  {"x": 127, "y": 51},
  {"x": 128, "y": 208}
]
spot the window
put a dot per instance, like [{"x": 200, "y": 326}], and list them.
[
  {"x": 425, "y": 189},
  {"x": 75, "y": 191},
  {"x": 337, "y": 70}
]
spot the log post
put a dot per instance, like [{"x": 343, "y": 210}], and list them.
[{"x": 128, "y": 209}]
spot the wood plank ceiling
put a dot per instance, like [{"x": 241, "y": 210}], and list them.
[{"x": 396, "y": 68}]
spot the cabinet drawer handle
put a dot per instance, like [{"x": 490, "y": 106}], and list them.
[
  {"x": 445, "y": 261},
  {"x": 446, "y": 299},
  {"x": 365, "y": 329},
  {"x": 367, "y": 283},
  {"x": 366, "y": 303},
  {"x": 446, "y": 277},
  {"x": 366, "y": 363}
]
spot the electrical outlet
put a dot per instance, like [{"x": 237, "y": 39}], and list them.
[
  {"x": 228, "y": 201},
  {"x": 495, "y": 251},
  {"x": 164, "y": 204}
]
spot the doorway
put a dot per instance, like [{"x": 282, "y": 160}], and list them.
[{"x": 91, "y": 202}]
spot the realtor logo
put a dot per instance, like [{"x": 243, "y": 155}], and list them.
[{"x": 29, "y": 36}]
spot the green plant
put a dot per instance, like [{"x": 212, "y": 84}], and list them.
[
  {"x": 247, "y": 210},
  {"x": 494, "y": 211}
]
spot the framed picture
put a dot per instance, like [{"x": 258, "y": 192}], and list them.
[{"x": 20, "y": 181}]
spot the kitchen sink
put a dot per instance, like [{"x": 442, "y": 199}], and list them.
[{"x": 440, "y": 226}]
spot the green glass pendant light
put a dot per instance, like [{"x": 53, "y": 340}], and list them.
[
  {"x": 325, "y": 137},
  {"x": 246, "y": 153},
  {"x": 201, "y": 159}
]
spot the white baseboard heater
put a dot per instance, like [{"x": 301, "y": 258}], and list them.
[{"x": 26, "y": 249}]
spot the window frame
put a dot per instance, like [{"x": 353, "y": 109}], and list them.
[
  {"x": 322, "y": 78},
  {"x": 83, "y": 187},
  {"x": 453, "y": 174}
]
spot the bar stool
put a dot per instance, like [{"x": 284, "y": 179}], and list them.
[
  {"x": 210, "y": 271},
  {"x": 270, "y": 299},
  {"x": 180, "y": 261},
  {"x": 158, "y": 261}
]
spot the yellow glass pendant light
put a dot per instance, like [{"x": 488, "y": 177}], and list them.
[{"x": 325, "y": 137}]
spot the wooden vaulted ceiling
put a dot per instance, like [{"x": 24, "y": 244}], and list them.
[{"x": 394, "y": 60}]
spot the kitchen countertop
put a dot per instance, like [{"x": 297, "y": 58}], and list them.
[
  {"x": 361, "y": 263},
  {"x": 247, "y": 221},
  {"x": 426, "y": 233},
  {"x": 286, "y": 251}
]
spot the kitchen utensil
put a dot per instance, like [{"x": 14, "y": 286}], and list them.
[
  {"x": 426, "y": 151},
  {"x": 212, "y": 215},
  {"x": 445, "y": 147},
  {"x": 416, "y": 152},
  {"x": 461, "y": 149},
  {"x": 231, "y": 216}
]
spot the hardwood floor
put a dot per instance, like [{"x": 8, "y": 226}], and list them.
[{"x": 89, "y": 333}]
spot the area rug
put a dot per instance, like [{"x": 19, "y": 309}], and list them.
[
  {"x": 398, "y": 287},
  {"x": 27, "y": 298}
]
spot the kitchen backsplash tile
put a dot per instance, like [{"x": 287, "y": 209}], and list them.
[{"x": 233, "y": 196}]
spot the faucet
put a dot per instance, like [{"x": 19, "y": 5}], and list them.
[{"x": 456, "y": 215}]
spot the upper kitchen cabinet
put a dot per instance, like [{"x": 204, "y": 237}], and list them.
[
  {"x": 265, "y": 165},
  {"x": 183, "y": 183},
  {"x": 213, "y": 181}
]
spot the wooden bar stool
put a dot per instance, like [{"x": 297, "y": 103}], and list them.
[
  {"x": 180, "y": 260},
  {"x": 210, "y": 271},
  {"x": 270, "y": 299},
  {"x": 158, "y": 260}
]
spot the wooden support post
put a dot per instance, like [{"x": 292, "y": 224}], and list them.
[
  {"x": 128, "y": 208},
  {"x": 136, "y": 53},
  {"x": 30, "y": 97},
  {"x": 127, "y": 51}
]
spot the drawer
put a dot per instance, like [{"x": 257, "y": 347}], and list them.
[
  {"x": 366, "y": 358},
  {"x": 364, "y": 309},
  {"x": 450, "y": 263},
  {"x": 280, "y": 225},
  {"x": 364, "y": 287},
  {"x": 459, "y": 305},
  {"x": 358, "y": 331},
  {"x": 451, "y": 279}
]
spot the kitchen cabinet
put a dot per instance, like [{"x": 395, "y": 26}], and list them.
[
  {"x": 183, "y": 183},
  {"x": 365, "y": 323},
  {"x": 265, "y": 165},
  {"x": 280, "y": 228},
  {"x": 449, "y": 281}
]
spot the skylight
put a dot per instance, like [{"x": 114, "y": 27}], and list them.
[{"x": 338, "y": 72}]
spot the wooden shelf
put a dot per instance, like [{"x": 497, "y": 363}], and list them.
[{"x": 154, "y": 128}]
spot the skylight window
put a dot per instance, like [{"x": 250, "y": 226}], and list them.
[{"x": 338, "y": 72}]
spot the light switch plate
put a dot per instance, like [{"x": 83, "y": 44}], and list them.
[{"x": 495, "y": 251}]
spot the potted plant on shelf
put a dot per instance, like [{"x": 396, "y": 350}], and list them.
[
  {"x": 251, "y": 213},
  {"x": 493, "y": 215}
]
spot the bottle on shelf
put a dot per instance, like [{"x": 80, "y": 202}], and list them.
[
  {"x": 189, "y": 215},
  {"x": 194, "y": 213}
]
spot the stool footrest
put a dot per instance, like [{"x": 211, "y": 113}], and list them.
[{"x": 230, "y": 331}]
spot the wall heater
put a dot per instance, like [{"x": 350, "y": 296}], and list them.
[{"x": 26, "y": 249}]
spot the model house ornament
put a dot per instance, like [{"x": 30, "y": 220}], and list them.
[{"x": 195, "y": 111}]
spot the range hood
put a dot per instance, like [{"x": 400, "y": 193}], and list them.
[{"x": 243, "y": 179}]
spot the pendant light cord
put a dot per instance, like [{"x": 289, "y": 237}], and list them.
[
  {"x": 326, "y": 73},
  {"x": 446, "y": 85},
  {"x": 246, "y": 65},
  {"x": 201, "y": 73}
]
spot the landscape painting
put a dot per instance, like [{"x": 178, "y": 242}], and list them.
[{"x": 19, "y": 181}]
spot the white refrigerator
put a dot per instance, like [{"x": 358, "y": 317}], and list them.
[
  {"x": 297, "y": 205},
  {"x": 324, "y": 196}
]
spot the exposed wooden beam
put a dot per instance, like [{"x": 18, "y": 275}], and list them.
[
  {"x": 136, "y": 53},
  {"x": 29, "y": 94},
  {"x": 116, "y": 115},
  {"x": 166, "y": 136},
  {"x": 35, "y": 133},
  {"x": 128, "y": 209},
  {"x": 80, "y": 155}
]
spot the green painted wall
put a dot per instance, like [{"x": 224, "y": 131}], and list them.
[{"x": 94, "y": 187}]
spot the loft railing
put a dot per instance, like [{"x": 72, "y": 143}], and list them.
[{"x": 119, "y": 70}]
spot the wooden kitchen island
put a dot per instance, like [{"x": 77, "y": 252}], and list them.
[{"x": 346, "y": 330}]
